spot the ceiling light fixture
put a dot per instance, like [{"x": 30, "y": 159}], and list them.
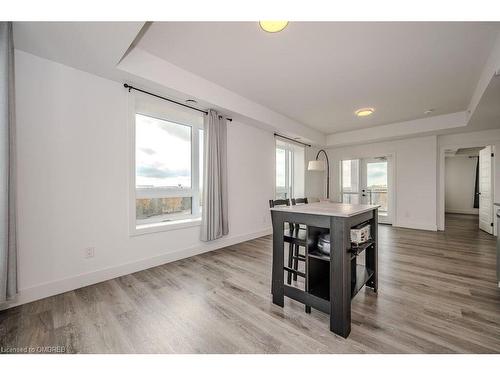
[
  {"x": 363, "y": 112},
  {"x": 429, "y": 111},
  {"x": 191, "y": 101},
  {"x": 273, "y": 26}
]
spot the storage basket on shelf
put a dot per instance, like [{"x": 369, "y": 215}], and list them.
[{"x": 360, "y": 233}]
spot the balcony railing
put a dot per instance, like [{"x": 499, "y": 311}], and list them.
[{"x": 378, "y": 196}]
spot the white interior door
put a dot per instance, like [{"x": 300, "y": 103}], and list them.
[
  {"x": 376, "y": 186},
  {"x": 486, "y": 189}
]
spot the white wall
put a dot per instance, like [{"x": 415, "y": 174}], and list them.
[
  {"x": 73, "y": 162},
  {"x": 415, "y": 172},
  {"x": 460, "y": 182}
]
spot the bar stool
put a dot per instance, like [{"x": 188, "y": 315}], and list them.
[
  {"x": 299, "y": 227},
  {"x": 295, "y": 237}
]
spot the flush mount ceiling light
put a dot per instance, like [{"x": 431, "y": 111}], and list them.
[
  {"x": 363, "y": 112},
  {"x": 273, "y": 26},
  {"x": 429, "y": 111},
  {"x": 191, "y": 101}
]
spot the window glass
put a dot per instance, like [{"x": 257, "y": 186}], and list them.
[
  {"x": 290, "y": 170},
  {"x": 376, "y": 175},
  {"x": 281, "y": 173},
  {"x": 163, "y": 153},
  {"x": 350, "y": 175},
  {"x": 168, "y": 184},
  {"x": 163, "y": 209},
  {"x": 376, "y": 181}
]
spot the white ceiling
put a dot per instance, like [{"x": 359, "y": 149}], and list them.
[
  {"x": 95, "y": 47},
  {"x": 487, "y": 113},
  {"x": 320, "y": 73}
]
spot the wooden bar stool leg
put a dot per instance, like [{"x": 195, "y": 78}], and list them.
[
  {"x": 296, "y": 262},
  {"x": 290, "y": 260}
]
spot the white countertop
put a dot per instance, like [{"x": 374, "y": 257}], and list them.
[{"x": 328, "y": 209}]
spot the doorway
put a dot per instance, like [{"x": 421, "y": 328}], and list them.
[
  {"x": 369, "y": 181},
  {"x": 469, "y": 176}
]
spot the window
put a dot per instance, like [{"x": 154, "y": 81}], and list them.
[
  {"x": 168, "y": 150},
  {"x": 376, "y": 184},
  {"x": 350, "y": 181},
  {"x": 290, "y": 160}
]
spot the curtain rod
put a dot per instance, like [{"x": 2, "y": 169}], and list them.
[
  {"x": 291, "y": 139},
  {"x": 129, "y": 87}
]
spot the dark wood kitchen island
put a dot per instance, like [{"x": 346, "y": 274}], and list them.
[{"x": 331, "y": 281}]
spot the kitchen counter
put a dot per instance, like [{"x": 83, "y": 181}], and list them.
[
  {"x": 331, "y": 281},
  {"x": 328, "y": 209}
]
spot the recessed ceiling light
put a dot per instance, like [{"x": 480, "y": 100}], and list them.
[
  {"x": 191, "y": 101},
  {"x": 273, "y": 26},
  {"x": 363, "y": 112},
  {"x": 429, "y": 111}
]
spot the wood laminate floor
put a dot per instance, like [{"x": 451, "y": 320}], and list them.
[{"x": 437, "y": 294}]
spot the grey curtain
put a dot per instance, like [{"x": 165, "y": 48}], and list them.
[
  {"x": 8, "y": 244},
  {"x": 214, "y": 222}
]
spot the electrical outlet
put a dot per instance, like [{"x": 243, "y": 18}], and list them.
[{"x": 89, "y": 252}]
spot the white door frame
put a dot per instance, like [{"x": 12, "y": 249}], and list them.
[
  {"x": 442, "y": 173},
  {"x": 486, "y": 200}
]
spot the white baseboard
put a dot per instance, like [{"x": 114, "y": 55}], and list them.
[
  {"x": 415, "y": 225},
  {"x": 65, "y": 285},
  {"x": 470, "y": 211}
]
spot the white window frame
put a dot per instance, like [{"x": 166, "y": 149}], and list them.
[
  {"x": 341, "y": 179},
  {"x": 174, "y": 222},
  {"x": 288, "y": 171},
  {"x": 290, "y": 177}
]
